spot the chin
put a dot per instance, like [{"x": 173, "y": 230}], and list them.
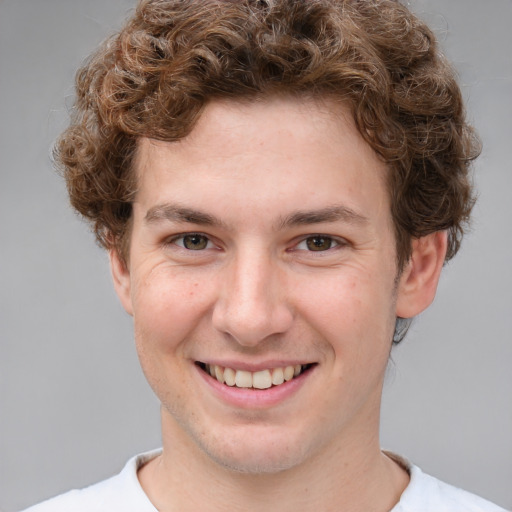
[
  {"x": 251, "y": 453},
  {"x": 255, "y": 464}
]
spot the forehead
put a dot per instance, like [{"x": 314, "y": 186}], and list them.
[
  {"x": 278, "y": 123},
  {"x": 301, "y": 148}
]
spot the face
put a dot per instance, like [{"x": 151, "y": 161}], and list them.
[{"x": 262, "y": 252}]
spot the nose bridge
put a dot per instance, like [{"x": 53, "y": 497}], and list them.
[{"x": 252, "y": 303}]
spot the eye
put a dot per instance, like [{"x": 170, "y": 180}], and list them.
[
  {"x": 318, "y": 243},
  {"x": 193, "y": 242}
]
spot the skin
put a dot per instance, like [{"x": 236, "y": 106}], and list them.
[{"x": 254, "y": 295}]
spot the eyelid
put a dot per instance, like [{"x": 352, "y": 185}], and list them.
[
  {"x": 180, "y": 236},
  {"x": 337, "y": 241}
]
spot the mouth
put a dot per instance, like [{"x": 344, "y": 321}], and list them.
[{"x": 262, "y": 379}]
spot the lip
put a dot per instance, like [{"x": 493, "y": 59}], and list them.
[
  {"x": 250, "y": 398},
  {"x": 254, "y": 367}
]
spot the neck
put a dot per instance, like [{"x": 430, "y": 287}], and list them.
[{"x": 353, "y": 472}]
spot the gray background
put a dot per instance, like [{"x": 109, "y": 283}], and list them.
[{"x": 74, "y": 404}]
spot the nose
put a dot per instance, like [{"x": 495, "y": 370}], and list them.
[{"x": 252, "y": 303}]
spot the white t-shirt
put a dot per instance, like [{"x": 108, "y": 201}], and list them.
[{"x": 123, "y": 493}]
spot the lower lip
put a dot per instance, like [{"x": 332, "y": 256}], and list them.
[{"x": 249, "y": 398}]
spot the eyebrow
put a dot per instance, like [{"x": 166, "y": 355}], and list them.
[
  {"x": 329, "y": 214},
  {"x": 176, "y": 213}
]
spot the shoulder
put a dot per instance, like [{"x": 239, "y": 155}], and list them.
[
  {"x": 428, "y": 494},
  {"x": 120, "y": 492}
]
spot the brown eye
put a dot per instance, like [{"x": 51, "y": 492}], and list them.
[
  {"x": 319, "y": 243},
  {"x": 194, "y": 242}
]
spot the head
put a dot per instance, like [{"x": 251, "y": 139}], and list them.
[
  {"x": 276, "y": 182},
  {"x": 173, "y": 58}
]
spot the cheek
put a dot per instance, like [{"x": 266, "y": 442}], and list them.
[
  {"x": 167, "y": 307},
  {"x": 353, "y": 311},
  {"x": 329, "y": 299},
  {"x": 168, "y": 311}
]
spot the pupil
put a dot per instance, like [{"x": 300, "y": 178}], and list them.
[
  {"x": 195, "y": 242},
  {"x": 319, "y": 243}
]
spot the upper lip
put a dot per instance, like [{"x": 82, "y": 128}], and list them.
[{"x": 255, "y": 367}]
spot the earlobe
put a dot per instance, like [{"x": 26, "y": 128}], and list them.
[
  {"x": 419, "y": 279},
  {"x": 121, "y": 279}
]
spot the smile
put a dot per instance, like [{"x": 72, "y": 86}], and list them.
[{"x": 263, "y": 379}]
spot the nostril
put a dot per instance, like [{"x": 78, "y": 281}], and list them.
[{"x": 250, "y": 327}]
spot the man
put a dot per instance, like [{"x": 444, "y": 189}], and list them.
[{"x": 278, "y": 185}]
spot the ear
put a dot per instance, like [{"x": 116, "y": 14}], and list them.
[
  {"x": 122, "y": 280},
  {"x": 418, "y": 282}
]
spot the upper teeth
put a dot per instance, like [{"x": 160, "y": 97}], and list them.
[{"x": 262, "y": 379}]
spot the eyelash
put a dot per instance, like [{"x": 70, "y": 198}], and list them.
[
  {"x": 334, "y": 243},
  {"x": 183, "y": 236},
  {"x": 309, "y": 242}
]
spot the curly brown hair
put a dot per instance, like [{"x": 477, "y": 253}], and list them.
[{"x": 173, "y": 56}]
